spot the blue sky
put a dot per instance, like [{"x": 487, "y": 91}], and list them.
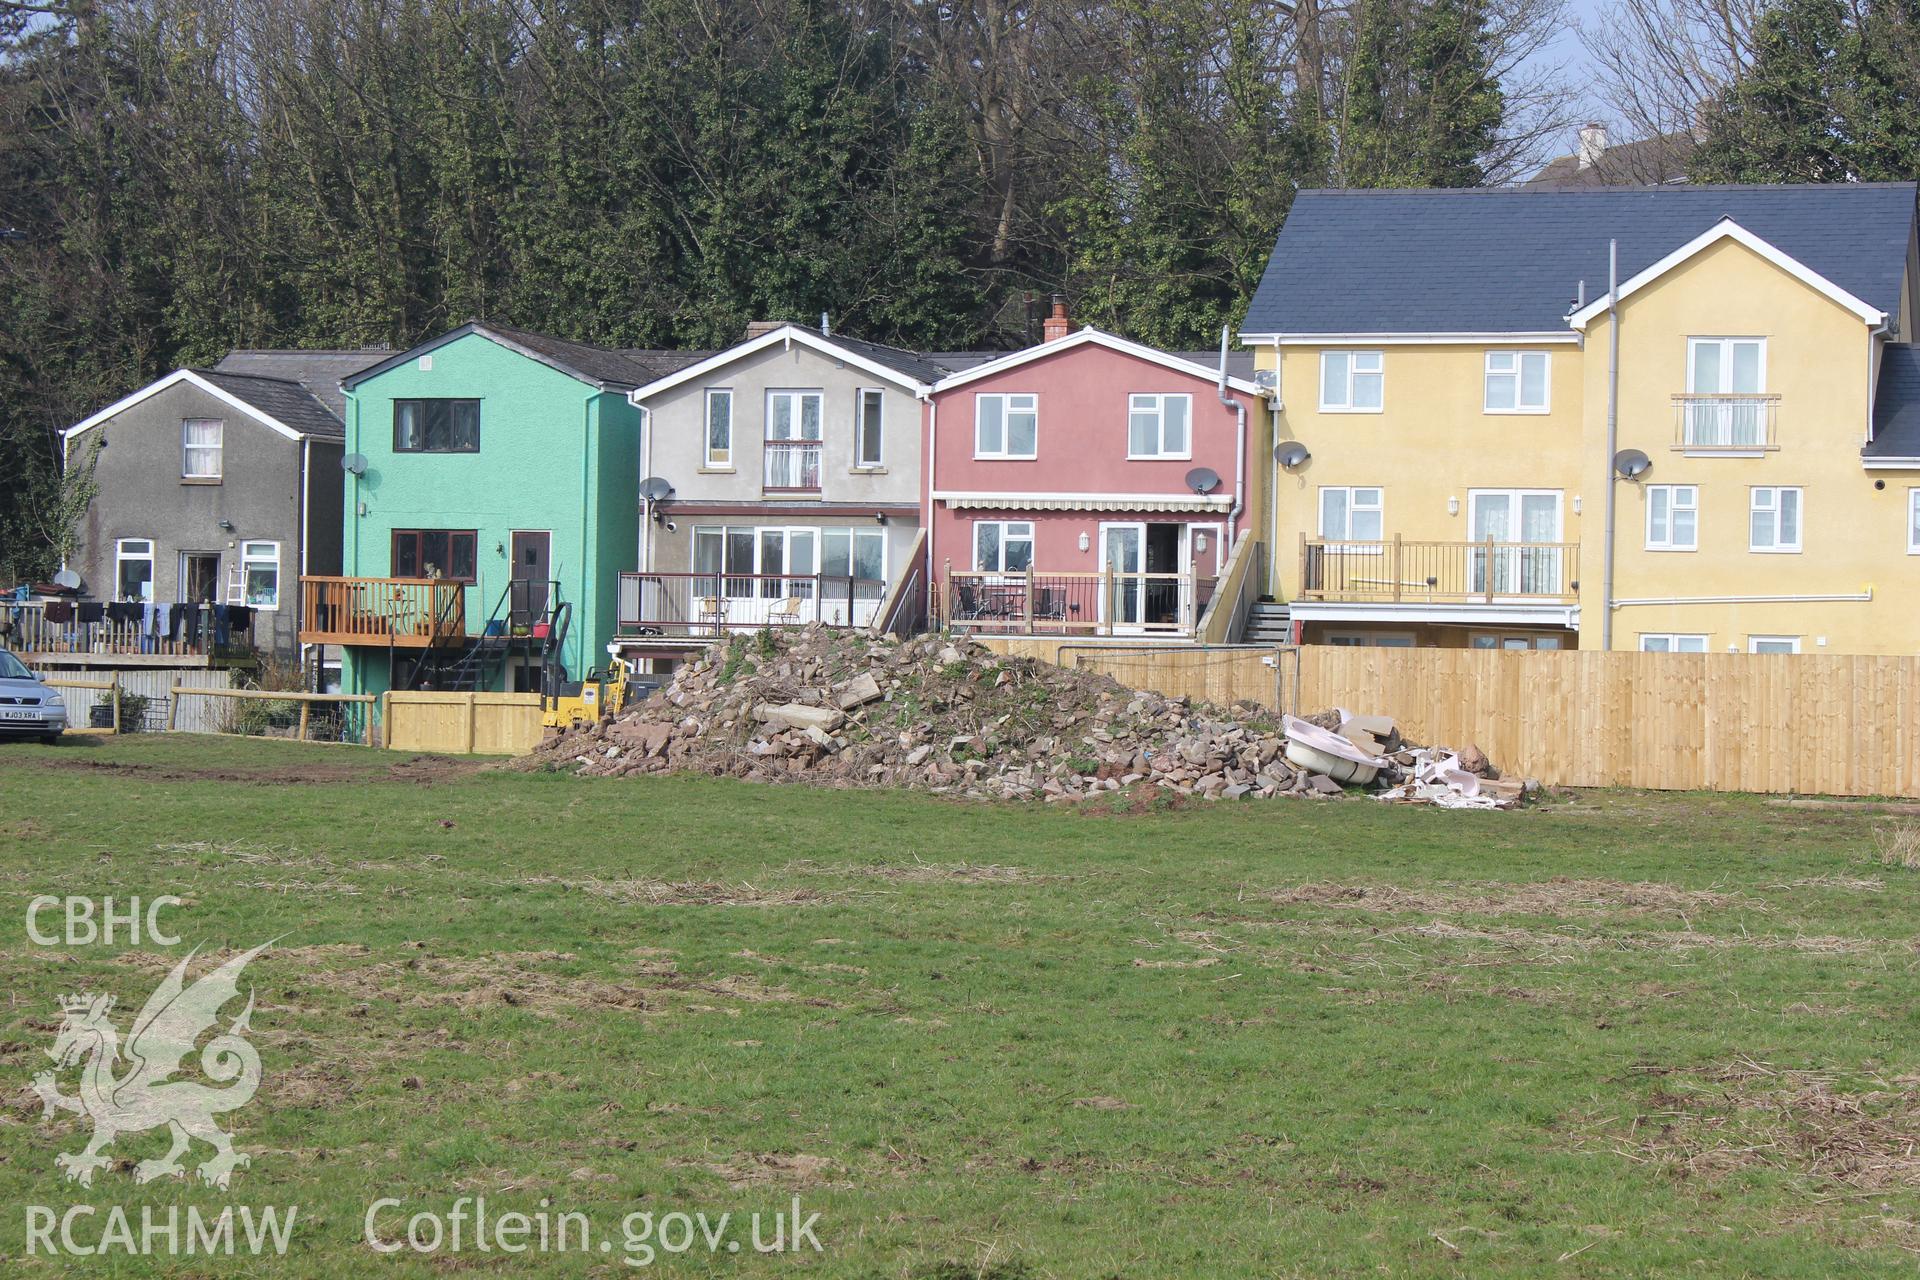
[{"x": 1565, "y": 51}]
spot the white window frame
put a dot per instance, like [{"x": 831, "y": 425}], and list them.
[
  {"x": 1672, "y": 494},
  {"x": 1004, "y": 526},
  {"x": 722, "y": 461},
  {"x": 1358, "y": 544},
  {"x": 122, "y": 554},
  {"x": 1515, "y": 642},
  {"x": 217, "y": 448},
  {"x": 1672, "y": 640},
  {"x": 1370, "y": 639},
  {"x": 1755, "y": 508},
  {"x": 1155, "y": 403},
  {"x": 861, "y": 398},
  {"x": 1754, "y": 643},
  {"x": 1377, "y": 361},
  {"x": 1007, "y": 410},
  {"x": 1517, "y": 373},
  {"x": 1913, "y": 522},
  {"x": 249, "y": 558},
  {"x": 1726, "y": 345},
  {"x": 855, "y": 535}
]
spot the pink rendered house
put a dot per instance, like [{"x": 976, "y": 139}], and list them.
[{"x": 1087, "y": 485}]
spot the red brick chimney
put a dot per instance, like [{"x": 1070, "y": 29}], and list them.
[{"x": 1056, "y": 325}]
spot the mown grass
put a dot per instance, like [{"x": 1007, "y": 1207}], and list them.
[{"x": 1620, "y": 1034}]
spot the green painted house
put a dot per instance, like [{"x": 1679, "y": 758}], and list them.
[{"x": 490, "y": 505}]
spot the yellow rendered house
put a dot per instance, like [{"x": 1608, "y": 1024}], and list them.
[{"x": 1477, "y": 443}]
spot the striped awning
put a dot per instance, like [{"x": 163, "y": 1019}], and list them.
[{"x": 1153, "y": 502}]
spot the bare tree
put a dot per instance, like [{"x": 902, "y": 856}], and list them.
[{"x": 1657, "y": 61}]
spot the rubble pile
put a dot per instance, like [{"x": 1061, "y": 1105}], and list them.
[{"x": 942, "y": 714}]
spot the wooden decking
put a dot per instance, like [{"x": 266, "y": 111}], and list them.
[{"x": 407, "y": 613}]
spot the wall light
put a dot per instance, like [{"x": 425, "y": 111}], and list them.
[
  {"x": 1085, "y": 542},
  {"x": 1199, "y": 542},
  {"x": 1453, "y": 506}
]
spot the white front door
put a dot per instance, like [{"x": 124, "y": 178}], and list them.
[
  {"x": 1123, "y": 550},
  {"x": 1529, "y": 517}
]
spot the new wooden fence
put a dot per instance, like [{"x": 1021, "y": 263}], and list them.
[
  {"x": 1809, "y": 723},
  {"x": 467, "y": 723}
]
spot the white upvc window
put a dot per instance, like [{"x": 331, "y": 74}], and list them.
[
  {"x": 1773, "y": 644},
  {"x": 869, "y": 428},
  {"x": 1913, "y": 522},
  {"x": 1352, "y": 381},
  {"x": 260, "y": 573},
  {"x": 1671, "y": 642},
  {"x": 1370, "y": 639},
  {"x": 1516, "y": 382},
  {"x": 200, "y": 440},
  {"x": 1006, "y": 425},
  {"x": 133, "y": 569},
  {"x": 1002, "y": 546},
  {"x": 1159, "y": 426},
  {"x": 1774, "y": 519},
  {"x": 719, "y": 428},
  {"x": 1514, "y": 642},
  {"x": 1348, "y": 511},
  {"x": 1673, "y": 517}
]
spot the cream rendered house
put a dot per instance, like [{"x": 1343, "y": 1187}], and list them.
[{"x": 1455, "y": 418}]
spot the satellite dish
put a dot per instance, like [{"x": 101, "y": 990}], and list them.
[
  {"x": 1631, "y": 464},
  {"x": 1291, "y": 454},
  {"x": 67, "y": 578},
  {"x": 1203, "y": 480},
  {"x": 654, "y": 489},
  {"x": 354, "y": 464}
]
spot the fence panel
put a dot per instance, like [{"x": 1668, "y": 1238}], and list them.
[
  {"x": 463, "y": 723},
  {"x": 1814, "y": 724}
]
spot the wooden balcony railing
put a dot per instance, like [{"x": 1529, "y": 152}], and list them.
[
  {"x": 180, "y": 630},
  {"x": 1033, "y": 603},
  {"x": 792, "y": 466},
  {"x": 1731, "y": 423},
  {"x": 678, "y": 604},
  {"x": 410, "y": 613},
  {"x": 1398, "y": 570}
]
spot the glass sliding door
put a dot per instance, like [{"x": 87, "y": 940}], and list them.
[{"x": 1123, "y": 554}]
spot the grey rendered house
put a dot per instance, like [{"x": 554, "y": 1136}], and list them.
[
  {"x": 785, "y": 488},
  {"x": 219, "y": 487}
]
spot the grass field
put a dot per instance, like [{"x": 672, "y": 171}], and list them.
[{"x": 1619, "y": 1034}]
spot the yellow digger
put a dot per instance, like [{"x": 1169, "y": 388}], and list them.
[{"x": 602, "y": 692}]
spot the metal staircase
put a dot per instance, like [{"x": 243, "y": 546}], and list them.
[{"x": 528, "y": 621}]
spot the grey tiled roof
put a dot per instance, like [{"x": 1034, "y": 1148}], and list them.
[
  {"x": 596, "y": 364},
  {"x": 1896, "y": 405},
  {"x": 911, "y": 364},
  {"x": 1646, "y": 162},
  {"x": 281, "y": 399},
  {"x": 318, "y": 371},
  {"x": 1511, "y": 260}
]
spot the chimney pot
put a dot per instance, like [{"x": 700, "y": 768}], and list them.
[
  {"x": 1592, "y": 145},
  {"x": 1058, "y": 324}
]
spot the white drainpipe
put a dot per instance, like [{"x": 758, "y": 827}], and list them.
[{"x": 1239, "y": 445}]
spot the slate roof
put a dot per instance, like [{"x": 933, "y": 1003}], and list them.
[
  {"x": 318, "y": 371},
  {"x": 1511, "y": 260},
  {"x": 282, "y": 399},
  {"x": 1896, "y": 405},
  {"x": 1647, "y": 162},
  {"x": 913, "y": 365}
]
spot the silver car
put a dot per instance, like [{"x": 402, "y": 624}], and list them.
[{"x": 27, "y": 707}]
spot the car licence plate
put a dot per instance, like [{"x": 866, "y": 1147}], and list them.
[{"x": 14, "y": 713}]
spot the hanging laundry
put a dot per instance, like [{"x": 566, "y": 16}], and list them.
[
  {"x": 90, "y": 612},
  {"x": 176, "y": 619},
  {"x": 193, "y": 623},
  {"x": 240, "y": 617},
  {"x": 222, "y": 624},
  {"x": 60, "y": 611}
]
